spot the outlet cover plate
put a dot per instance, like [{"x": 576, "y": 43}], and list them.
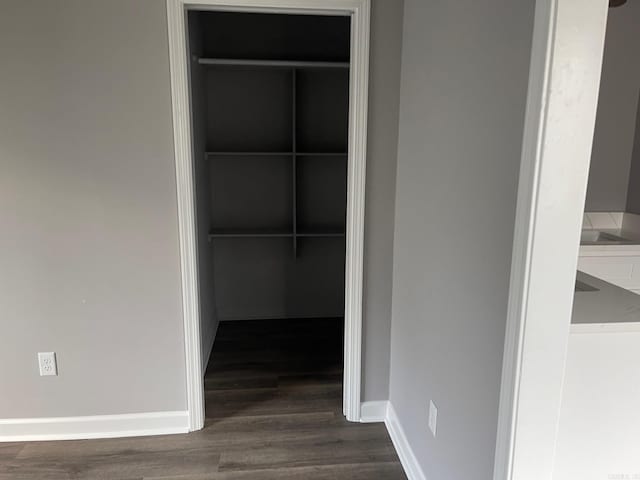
[{"x": 47, "y": 363}]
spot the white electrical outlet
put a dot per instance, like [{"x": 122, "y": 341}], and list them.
[
  {"x": 47, "y": 363},
  {"x": 433, "y": 417}
]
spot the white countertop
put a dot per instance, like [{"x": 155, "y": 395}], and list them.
[
  {"x": 610, "y": 308},
  {"x": 609, "y": 250}
]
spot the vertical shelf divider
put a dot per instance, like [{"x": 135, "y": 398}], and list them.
[{"x": 294, "y": 163}]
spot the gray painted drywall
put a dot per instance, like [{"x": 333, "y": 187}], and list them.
[
  {"x": 89, "y": 246},
  {"x": 382, "y": 142},
  {"x": 462, "y": 101},
  {"x": 633, "y": 196},
  {"x": 617, "y": 107},
  {"x": 208, "y": 312}
]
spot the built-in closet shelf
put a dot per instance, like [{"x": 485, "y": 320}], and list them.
[
  {"x": 276, "y": 154},
  {"x": 249, "y": 154},
  {"x": 252, "y": 233},
  {"x": 321, "y": 154},
  {"x": 241, "y": 62},
  {"x": 320, "y": 233},
  {"x": 273, "y": 233}
]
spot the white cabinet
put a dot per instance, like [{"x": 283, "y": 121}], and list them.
[
  {"x": 599, "y": 417},
  {"x": 619, "y": 265}
]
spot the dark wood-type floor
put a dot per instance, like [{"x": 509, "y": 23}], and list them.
[{"x": 273, "y": 403}]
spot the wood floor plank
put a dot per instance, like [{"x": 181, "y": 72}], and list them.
[
  {"x": 333, "y": 452},
  {"x": 295, "y": 437},
  {"x": 240, "y": 381},
  {"x": 77, "y": 449},
  {"x": 291, "y": 398},
  {"x": 367, "y": 471},
  {"x": 16, "y": 471},
  {"x": 8, "y": 451},
  {"x": 270, "y": 423},
  {"x": 119, "y": 464}
]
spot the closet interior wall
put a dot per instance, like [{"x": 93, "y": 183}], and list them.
[{"x": 270, "y": 102}]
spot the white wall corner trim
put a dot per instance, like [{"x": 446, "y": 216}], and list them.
[
  {"x": 540, "y": 67},
  {"x": 359, "y": 10},
  {"x": 95, "y": 426},
  {"x": 186, "y": 212},
  {"x": 564, "y": 77},
  {"x": 373, "y": 412},
  {"x": 407, "y": 458},
  {"x": 354, "y": 269}
]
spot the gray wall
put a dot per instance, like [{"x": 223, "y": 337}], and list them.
[
  {"x": 617, "y": 107},
  {"x": 89, "y": 245},
  {"x": 462, "y": 101},
  {"x": 384, "y": 93}
]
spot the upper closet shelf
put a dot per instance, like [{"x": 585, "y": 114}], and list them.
[
  {"x": 276, "y": 154},
  {"x": 238, "y": 62}
]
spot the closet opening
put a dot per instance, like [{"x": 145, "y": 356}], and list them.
[{"x": 270, "y": 105}]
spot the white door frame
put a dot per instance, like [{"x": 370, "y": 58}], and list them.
[
  {"x": 359, "y": 10},
  {"x": 564, "y": 80}
]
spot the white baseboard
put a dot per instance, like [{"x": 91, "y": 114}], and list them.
[
  {"x": 97, "y": 426},
  {"x": 407, "y": 458},
  {"x": 373, "y": 412}
]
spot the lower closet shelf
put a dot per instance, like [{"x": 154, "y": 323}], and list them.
[
  {"x": 320, "y": 233},
  {"x": 273, "y": 233}
]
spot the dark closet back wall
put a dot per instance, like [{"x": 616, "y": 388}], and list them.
[
  {"x": 276, "y": 144},
  {"x": 269, "y": 36}
]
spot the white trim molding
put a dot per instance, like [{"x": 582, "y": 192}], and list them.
[
  {"x": 358, "y": 106},
  {"x": 564, "y": 79},
  {"x": 544, "y": 26},
  {"x": 408, "y": 459},
  {"x": 95, "y": 426},
  {"x": 373, "y": 412},
  {"x": 359, "y": 11},
  {"x": 185, "y": 188}
]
